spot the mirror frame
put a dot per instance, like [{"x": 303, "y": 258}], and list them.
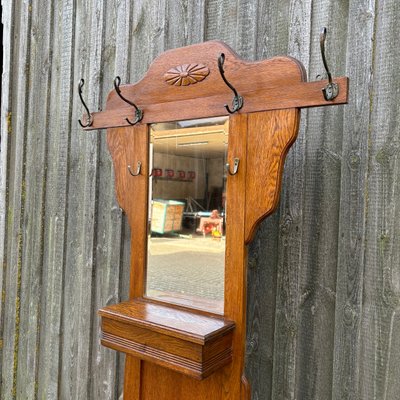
[
  {"x": 163, "y": 339},
  {"x": 198, "y": 302}
]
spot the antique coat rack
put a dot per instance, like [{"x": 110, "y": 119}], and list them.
[{"x": 181, "y": 350}]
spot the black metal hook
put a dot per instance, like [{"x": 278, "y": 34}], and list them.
[
  {"x": 331, "y": 90},
  {"x": 235, "y": 167},
  {"x": 138, "y": 111},
  {"x": 89, "y": 117},
  {"x": 138, "y": 169},
  {"x": 237, "y": 102}
]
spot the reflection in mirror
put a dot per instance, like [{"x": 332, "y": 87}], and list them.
[{"x": 186, "y": 243}]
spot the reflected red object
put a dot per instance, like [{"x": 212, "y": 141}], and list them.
[
  {"x": 191, "y": 174},
  {"x": 170, "y": 173},
  {"x": 181, "y": 174},
  {"x": 157, "y": 172}
]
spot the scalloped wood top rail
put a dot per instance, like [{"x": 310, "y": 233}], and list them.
[{"x": 186, "y": 83}]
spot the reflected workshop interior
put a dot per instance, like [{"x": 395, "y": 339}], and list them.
[{"x": 186, "y": 238}]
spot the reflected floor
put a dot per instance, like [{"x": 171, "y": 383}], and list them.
[{"x": 187, "y": 266}]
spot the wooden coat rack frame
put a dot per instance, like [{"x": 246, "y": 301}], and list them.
[{"x": 177, "y": 352}]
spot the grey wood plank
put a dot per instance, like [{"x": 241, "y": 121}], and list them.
[
  {"x": 263, "y": 251},
  {"x": 149, "y": 32},
  {"x": 55, "y": 218},
  {"x": 261, "y": 299},
  {"x": 272, "y": 28},
  {"x": 8, "y": 16},
  {"x": 353, "y": 203},
  {"x": 185, "y": 20},
  {"x": 221, "y": 21},
  {"x": 82, "y": 198},
  {"x": 378, "y": 357},
  {"x": 104, "y": 370},
  {"x": 35, "y": 189},
  {"x": 15, "y": 212},
  {"x": 317, "y": 280},
  {"x": 291, "y": 227}
]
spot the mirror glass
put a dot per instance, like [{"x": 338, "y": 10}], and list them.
[{"x": 186, "y": 237}]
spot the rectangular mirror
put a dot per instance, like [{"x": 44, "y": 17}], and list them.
[{"x": 186, "y": 238}]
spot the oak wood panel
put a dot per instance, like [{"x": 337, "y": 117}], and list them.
[
  {"x": 194, "y": 369},
  {"x": 127, "y": 147},
  {"x": 259, "y": 98},
  {"x": 235, "y": 271},
  {"x": 195, "y": 345},
  {"x": 236, "y": 251},
  {"x": 183, "y": 324},
  {"x": 269, "y": 137},
  {"x": 266, "y": 85},
  {"x": 147, "y": 90},
  {"x": 274, "y": 131}
]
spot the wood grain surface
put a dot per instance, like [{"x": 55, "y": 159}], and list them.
[
  {"x": 271, "y": 84},
  {"x": 322, "y": 308},
  {"x": 180, "y": 340}
]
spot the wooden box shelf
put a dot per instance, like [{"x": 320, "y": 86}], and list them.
[{"x": 187, "y": 342}]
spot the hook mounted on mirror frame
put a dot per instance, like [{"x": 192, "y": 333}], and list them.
[
  {"x": 138, "y": 112},
  {"x": 89, "y": 117},
  {"x": 235, "y": 167},
  {"x": 138, "y": 169},
  {"x": 237, "y": 101},
  {"x": 331, "y": 90}
]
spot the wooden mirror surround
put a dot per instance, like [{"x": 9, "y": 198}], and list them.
[{"x": 189, "y": 349}]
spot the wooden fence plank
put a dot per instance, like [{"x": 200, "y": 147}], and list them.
[
  {"x": 271, "y": 39},
  {"x": 81, "y": 237},
  {"x": 35, "y": 190},
  {"x": 350, "y": 270},
  {"x": 104, "y": 370},
  {"x": 291, "y": 227},
  {"x": 8, "y": 15},
  {"x": 15, "y": 211},
  {"x": 378, "y": 360},
  {"x": 322, "y": 168},
  {"x": 221, "y": 21},
  {"x": 55, "y": 216}
]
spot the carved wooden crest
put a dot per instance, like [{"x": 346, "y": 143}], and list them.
[{"x": 186, "y": 74}]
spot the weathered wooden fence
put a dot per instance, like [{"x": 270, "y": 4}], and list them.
[{"x": 324, "y": 271}]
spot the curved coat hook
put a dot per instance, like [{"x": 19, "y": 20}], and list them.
[
  {"x": 332, "y": 89},
  {"x": 138, "y": 111},
  {"x": 89, "y": 117},
  {"x": 235, "y": 167},
  {"x": 237, "y": 102},
  {"x": 138, "y": 169}
]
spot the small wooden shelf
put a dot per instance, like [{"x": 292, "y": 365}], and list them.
[{"x": 181, "y": 340}]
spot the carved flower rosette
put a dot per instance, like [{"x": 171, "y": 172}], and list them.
[{"x": 186, "y": 74}]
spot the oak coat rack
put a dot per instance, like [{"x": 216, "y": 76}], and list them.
[{"x": 180, "y": 352}]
